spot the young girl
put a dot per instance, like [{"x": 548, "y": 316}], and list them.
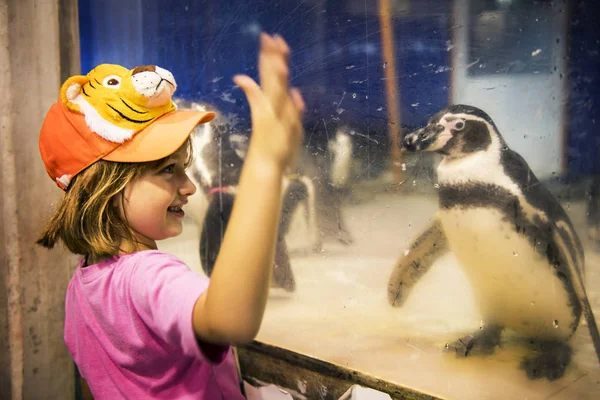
[{"x": 139, "y": 323}]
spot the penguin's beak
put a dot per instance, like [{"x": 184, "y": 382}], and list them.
[{"x": 422, "y": 139}]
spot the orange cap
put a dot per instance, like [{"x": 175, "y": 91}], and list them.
[{"x": 75, "y": 134}]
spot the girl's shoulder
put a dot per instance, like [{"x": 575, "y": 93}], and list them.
[
  {"x": 153, "y": 255},
  {"x": 144, "y": 262},
  {"x": 151, "y": 259},
  {"x": 154, "y": 262}
]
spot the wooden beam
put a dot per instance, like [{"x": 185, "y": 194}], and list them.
[
  {"x": 261, "y": 363},
  {"x": 391, "y": 88}
]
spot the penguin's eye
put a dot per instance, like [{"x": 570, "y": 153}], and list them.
[{"x": 459, "y": 126}]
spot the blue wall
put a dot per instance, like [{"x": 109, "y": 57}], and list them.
[
  {"x": 337, "y": 55},
  {"x": 583, "y": 145}
]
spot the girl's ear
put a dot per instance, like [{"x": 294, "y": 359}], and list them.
[{"x": 117, "y": 202}]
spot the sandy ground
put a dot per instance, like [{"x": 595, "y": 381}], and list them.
[{"x": 340, "y": 313}]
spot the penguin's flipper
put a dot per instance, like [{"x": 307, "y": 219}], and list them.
[
  {"x": 424, "y": 251},
  {"x": 574, "y": 264}
]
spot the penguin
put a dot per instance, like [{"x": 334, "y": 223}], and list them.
[
  {"x": 512, "y": 238},
  {"x": 300, "y": 189}
]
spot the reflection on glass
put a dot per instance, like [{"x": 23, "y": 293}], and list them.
[{"x": 493, "y": 247}]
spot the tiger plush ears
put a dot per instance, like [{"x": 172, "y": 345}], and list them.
[
  {"x": 114, "y": 114},
  {"x": 118, "y": 102}
]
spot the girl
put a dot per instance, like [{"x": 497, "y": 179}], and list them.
[{"x": 139, "y": 323}]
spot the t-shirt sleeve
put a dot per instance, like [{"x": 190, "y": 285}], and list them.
[{"x": 164, "y": 291}]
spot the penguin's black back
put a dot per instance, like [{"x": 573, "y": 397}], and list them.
[{"x": 539, "y": 196}]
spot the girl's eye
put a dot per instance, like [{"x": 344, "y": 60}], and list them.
[{"x": 169, "y": 169}]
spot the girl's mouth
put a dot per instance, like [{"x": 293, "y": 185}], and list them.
[{"x": 176, "y": 211}]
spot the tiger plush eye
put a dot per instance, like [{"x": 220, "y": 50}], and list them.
[
  {"x": 459, "y": 125},
  {"x": 112, "y": 81}
]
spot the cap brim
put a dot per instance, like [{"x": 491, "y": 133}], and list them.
[{"x": 161, "y": 138}]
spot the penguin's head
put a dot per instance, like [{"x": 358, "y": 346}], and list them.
[{"x": 456, "y": 131}]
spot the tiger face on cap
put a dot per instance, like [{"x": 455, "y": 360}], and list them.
[{"x": 117, "y": 102}]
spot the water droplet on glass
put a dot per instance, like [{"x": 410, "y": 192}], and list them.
[
  {"x": 414, "y": 183},
  {"x": 384, "y": 65},
  {"x": 353, "y": 95},
  {"x": 555, "y": 323},
  {"x": 403, "y": 167},
  {"x": 436, "y": 185},
  {"x": 533, "y": 303},
  {"x": 515, "y": 253},
  {"x": 447, "y": 346},
  {"x": 406, "y": 252}
]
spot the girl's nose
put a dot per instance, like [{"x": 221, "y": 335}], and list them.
[{"x": 187, "y": 188}]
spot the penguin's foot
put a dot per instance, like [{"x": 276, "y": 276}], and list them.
[
  {"x": 551, "y": 364},
  {"x": 483, "y": 342},
  {"x": 317, "y": 246},
  {"x": 283, "y": 277},
  {"x": 344, "y": 237}
]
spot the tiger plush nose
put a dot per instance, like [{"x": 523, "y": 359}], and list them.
[{"x": 155, "y": 83}]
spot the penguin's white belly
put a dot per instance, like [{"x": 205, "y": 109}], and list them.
[{"x": 513, "y": 284}]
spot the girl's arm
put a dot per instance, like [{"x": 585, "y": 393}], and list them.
[{"x": 232, "y": 308}]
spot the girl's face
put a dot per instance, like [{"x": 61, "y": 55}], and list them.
[{"x": 152, "y": 204}]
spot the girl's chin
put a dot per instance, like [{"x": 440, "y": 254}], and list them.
[{"x": 174, "y": 230}]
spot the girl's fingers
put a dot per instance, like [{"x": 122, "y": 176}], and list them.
[
  {"x": 252, "y": 91},
  {"x": 297, "y": 99},
  {"x": 282, "y": 45},
  {"x": 273, "y": 71},
  {"x": 292, "y": 115}
]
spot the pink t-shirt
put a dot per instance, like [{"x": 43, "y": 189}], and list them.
[{"x": 128, "y": 326}]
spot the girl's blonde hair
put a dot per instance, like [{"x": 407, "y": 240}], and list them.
[{"x": 87, "y": 220}]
